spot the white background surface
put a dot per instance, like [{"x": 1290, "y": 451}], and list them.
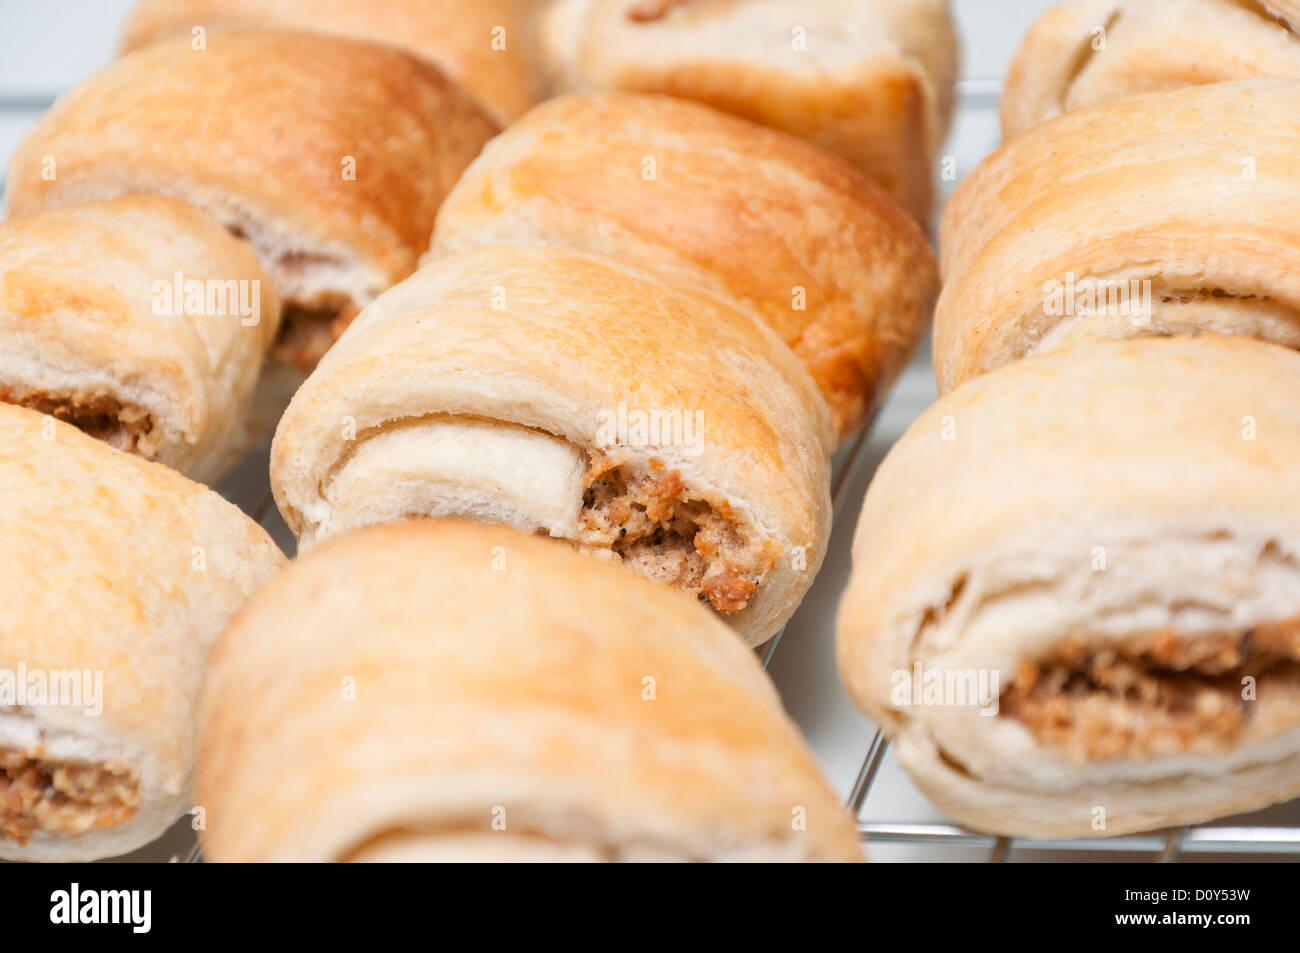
[{"x": 48, "y": 45}]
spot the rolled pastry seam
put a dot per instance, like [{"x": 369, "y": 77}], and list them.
[
  {"x": 1154, "y": 229},
  {"x": 512, "y": 700},
  {"x": 120, "y": 575},
  {"x": 772, "y": 223},
  {"x": 565, "y": 394},
  {"x": 140, "y": 321},
  {"x": 872, "y": 81},
  {"x": 488, "y": 46},
  {"x": 1075, "y": 595},
  {"x": 1089, "y": 51},
  {"x": 331, "y": 156}
]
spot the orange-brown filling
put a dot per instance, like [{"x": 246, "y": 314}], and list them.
[
  {"x": 99, "y": 415},
  {"x": 1155, "y": 693},
  {"x": 658, "y": 531},
  {"x": 62, "y": 797},
  {"x": 308, "y": 331}
]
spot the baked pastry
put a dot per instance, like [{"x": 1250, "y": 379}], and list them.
[
  {"x": 870, "y": 79},
  {"x": 1075, "y": 595},
  {"x": 1089, "y": 51},
  {"x": 139, "y": 320},
  {"x": 119, "y": 575},
  {"x": 330, "y": 155},
  {"x": 446, "y": 691},
  {"x": 1156, "y": 228},
  {"x": 565, "y": 394},
  {"x": 828, "y": 260},
  {"x": 488, "y": 46}
]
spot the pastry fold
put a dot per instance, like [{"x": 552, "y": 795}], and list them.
[
  {"x": 488, "y": 46},
  {"x": 788, "y": 230},
  {"x": 1075, "y": 596},
  {"x": 1089, "y": 51},
  {"x": 139, "y": 320},
  {"x": 448, "y": 691},
  {"x": 1155, "y": 228},
  {"x": 119, "y": 575},
  {"x": 331, "y": 156},
  {"x": 870, "y": 79},
  {"x": 565, "y": 394}
]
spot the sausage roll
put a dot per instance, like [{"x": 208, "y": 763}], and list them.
[
  {"x": 139, "y": 320},
  {"x": 445, "y": 691},
  {"x": 565, "y": 394},
  {"x": 119, "y": 575},
  {"x": 330, "y": 155},
  {"x": 488, "y": 46},
  {"x": 1156, "y": 228},
  {"x": 1089, "y": 51},
  {"x": 827, "y": 259},
  {"x": 1075, "y": 595},
  {"x": 870, "y": 79}
]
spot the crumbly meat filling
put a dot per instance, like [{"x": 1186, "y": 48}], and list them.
[
  {"x": 307, "y": 331},
  {"x": 1154, "y": 694},
  {"x": 99, "y": 415},
  {"x": 62, "y": 797},
  {"x": 650, "y": 522}
]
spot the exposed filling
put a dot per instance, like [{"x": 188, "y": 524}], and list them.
[
  {"x": 650, "y": 522},
  {"x": 62, "y": 797},
  {"x": 307, "y": 331},
  {"x": 1154, "y": 694},
  {"x": 99, "y": 415}
]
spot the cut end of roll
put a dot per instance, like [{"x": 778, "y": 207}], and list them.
[
  {"x": 62, "y": 797},
  {"x": 641, "y": 514},
  {"x": 1159, "y": 694},
  {"x": 103, "y": 416}
]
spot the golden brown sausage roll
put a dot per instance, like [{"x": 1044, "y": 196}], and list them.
[
  {"x": 565, "y": 394},
  {"x": 832, "y": 264},
  {"x": 330, "y": 155},
  {"x": 1075, "y": 596},
  {"x": 119, "y": 575},
  {"x": 1089, "y": 51},
  {"x": 488, "y": 46},
  {"x": 870, "y": 79},
  {"x": 139, "y": 320},
  {"x": 445, "y": 691},
  {"x": 1177, "y": 218}
]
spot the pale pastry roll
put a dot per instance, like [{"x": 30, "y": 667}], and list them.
[
  {"x": 1090, "y": 51},
  {"x": 447, "y": 691},
  {"x": 139, "y": 320},
  {"x": 1177, "y": 218},
  {"x": 119, "y": 575},
  {"x": 488, "y": 46},
  {"x": 329, "y": 155},
  {"x": 788, "y": 230},
  {"x": 1075, "y": 596},
  {"x": 568, "y": 395},
  {"x": 870, "y": 79}
]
